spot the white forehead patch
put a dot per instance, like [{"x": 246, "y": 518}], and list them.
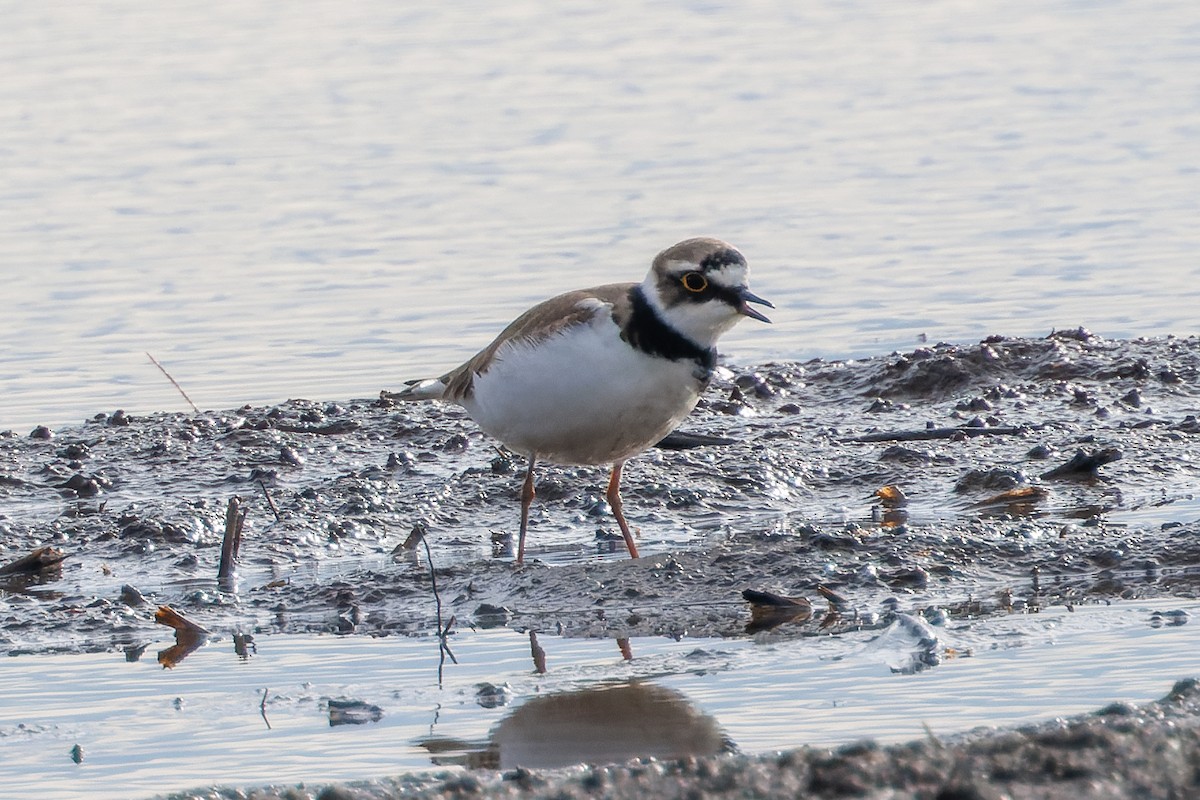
[{"x": 729, "y": 275}]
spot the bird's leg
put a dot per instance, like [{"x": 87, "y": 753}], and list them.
[
  {"x": 527, "y": 495},
  {"x": 614, "y": 502}
]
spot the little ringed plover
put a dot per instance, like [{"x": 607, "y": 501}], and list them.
[{"x": 596, "y": 376}]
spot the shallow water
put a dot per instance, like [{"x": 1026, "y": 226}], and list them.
[
  {"x": 327, "y": 201},
  {"x": 145, "y": 730}
]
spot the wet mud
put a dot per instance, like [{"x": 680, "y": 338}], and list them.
[{"x": 954, "y": 480}]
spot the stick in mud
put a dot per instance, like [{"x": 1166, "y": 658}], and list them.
[
  {"x": 235, "y": 517},
  {"x": 173, "y": 382},
  {"x": 270, "y": 502},
  {"x": 165, "y": 615},
  {"x": 442, "y": 632},
  {"x": 938, "y": 433},
  {"x": 36, "y": 561}
]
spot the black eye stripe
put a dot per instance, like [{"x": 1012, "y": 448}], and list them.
[
  {"x": 711, "y": 291},
  {"x": 731, "y": 296}
]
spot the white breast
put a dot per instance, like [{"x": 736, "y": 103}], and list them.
[{"x": 582, "y": 396}]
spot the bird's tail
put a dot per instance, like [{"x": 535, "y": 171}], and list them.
[{"x": 427, "y": 389}]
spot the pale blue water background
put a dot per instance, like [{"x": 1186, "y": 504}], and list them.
[{"x": 322, "y": 199}]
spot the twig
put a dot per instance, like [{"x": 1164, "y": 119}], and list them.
[
  {"x": 442, "y": 632},
  {"x": 679, "y": 440},
  {"x": 936, "y": 433},
  {"x": 331, "y": 429},
  {"x": 165, "y": 615},
  {"x": 235, "y": 516},
  {"x": 270, "y": 502},
  {"x": 433, "y": 580},
  {"x": 36, "y": 561},
  {"x": 262, "y": 707},
  {"x": 1083, "y": 464},
  {"x": 173, "y": 382}
]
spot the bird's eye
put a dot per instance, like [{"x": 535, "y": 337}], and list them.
[{"x": 695, "y": 282}]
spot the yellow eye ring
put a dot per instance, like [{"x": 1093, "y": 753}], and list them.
[{"x": 694, "y": 282}]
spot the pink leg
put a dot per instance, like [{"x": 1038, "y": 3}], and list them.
[
  {"x": 527, "y": 495},
  {"x": 614, "y": 502}
]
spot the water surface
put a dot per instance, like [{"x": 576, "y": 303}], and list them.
[
  {"x": 325, "y": 201},
  {"x": 145, "y": 730}
]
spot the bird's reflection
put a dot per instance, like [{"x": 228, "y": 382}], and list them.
[{"x": 606, "y": 724}]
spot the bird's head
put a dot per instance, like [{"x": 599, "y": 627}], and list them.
[{"x": 699, "y": 286}]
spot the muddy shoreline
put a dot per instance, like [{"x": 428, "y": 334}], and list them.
[{"x": 995, "y": 478}]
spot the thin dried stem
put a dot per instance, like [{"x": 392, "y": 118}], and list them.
[
  {"x": 174, "y": 383},
  {"x": 270, "y": 502},
  {"x": 442, "y": 631}
]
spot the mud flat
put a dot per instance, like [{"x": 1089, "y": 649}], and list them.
[{"x": 952, "y": 482}]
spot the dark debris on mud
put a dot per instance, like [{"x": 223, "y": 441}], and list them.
[{"x": 1020, "y": 473}]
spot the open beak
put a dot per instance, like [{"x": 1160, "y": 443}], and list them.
[{"x": 748, "y": 297}]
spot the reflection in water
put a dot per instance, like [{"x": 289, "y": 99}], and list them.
[
  {"x": 347, "y": 712},
  {"x": 538, "y": 653},
  {"x": 909, "y": 645},
  {"x": 244, "y": 646},
  {"x": 133, "y": 652},
  {"x": 891, "y": 511},
  {"x": 186, "y": 642},
  {"x": 625, "y": 648},
  {"x": 29, "y": 583},
  {"x": 769, "y": 610},
  {"x": 23, "y": 575},
  {"x": 819, "y": 690},
  {"x": 188, "y": 636},
  {"x": 606, "y": 724},
  {"x": 1022, "y": 501}
]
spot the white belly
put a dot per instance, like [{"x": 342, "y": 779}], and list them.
[{"x": 582, "y": 397}]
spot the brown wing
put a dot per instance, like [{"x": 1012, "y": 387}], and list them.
[{"x": 538, "y": 323}]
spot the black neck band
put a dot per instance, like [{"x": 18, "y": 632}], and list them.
[{"x": 649, "y": 333}]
